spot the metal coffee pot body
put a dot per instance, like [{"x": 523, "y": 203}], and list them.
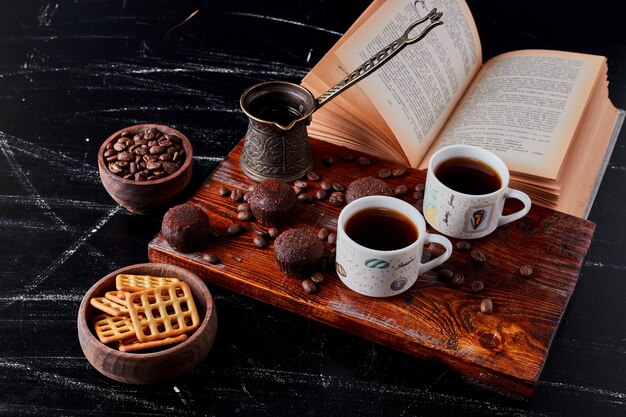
[{"x": 277, "y": 142}]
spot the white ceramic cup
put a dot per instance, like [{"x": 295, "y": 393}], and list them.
[
  {"x": 383, "y": 273},
  {"x": 469, "y": 216}
]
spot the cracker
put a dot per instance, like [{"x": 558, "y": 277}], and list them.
[
  {"x": 118, "y": 297},
  {"x": 110, "y": 329},
  {"x": 133, "y": 344},
  {"x": 109, "y": 307},
  {"x": 169, "y": 310},
  {"x": 133, "y": 283}
]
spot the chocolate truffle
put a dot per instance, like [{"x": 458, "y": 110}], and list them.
[
  {"x": 367, "y": 186},
  {"x": 298, "y": 252},
  {"x": 185, "y": 227},
  {"x": 271, "y": 201}
]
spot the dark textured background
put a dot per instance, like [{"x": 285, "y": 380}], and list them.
[{"x": 71, "y": 73}]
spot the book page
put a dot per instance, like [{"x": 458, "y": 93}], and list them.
[
  {"x": 525, "y": 106},
  {"x": 417, "y": 90}
]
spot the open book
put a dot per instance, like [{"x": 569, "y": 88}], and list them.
[{"x": 547, "y": 114}]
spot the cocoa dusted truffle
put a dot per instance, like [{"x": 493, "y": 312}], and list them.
[
  {"x": 298, "y": 252},
  {"x": 367, "y": 186},
  {"x": 185, "y": 227},
  {"x": 271, "y": 201}
]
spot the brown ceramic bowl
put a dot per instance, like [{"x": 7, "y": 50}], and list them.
[
  {"x": 143, "y": 197},
  {"x": 155, "y": 366}
]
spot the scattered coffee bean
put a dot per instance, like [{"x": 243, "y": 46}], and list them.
[
  {"x": 486, "y": 305},
  {"x": 321, "y": 194},
  {"x": 420, "y": 187},
  {"x": 457, "y": 279},
  {"x": 211, "y": 258},
  {"x": 445, "y": 275},
  {"x": 326, "y": 185},
  {"x": 477, "y": 285},
  {"x": 305, "y": 198},
  {"x": 243, "y": 207},
  {"x": 526, "y": 270},
  {"x": 301, "y": 184},
  {"x": 126, "y": 149},
  {"x": 384, "y": 173},
  {"x": 245, "y": 216},
  {"x": 347, "y": 156},
  {"x": 419, "y": 205},
  {"x": 400, "y": 190},
  {"x": 317, "y": 277},
  {"x": 223, "y": 191},
  {"x": 273, "y": 232},
  {"x": 297, "y": 190},
  {"x": 435, "y": 248},
  {"x": 246, "y": 196},
  {"x": 263, "y": 233},
  {"x": 234, "y": 229},
  {"x": 463, "y": 245},
  {"x": 323, "y": 234},
  {"x": 250, "y": 187},
  {"x": 236, "y": 195},
  {"x": 337, "y": 198},
  {"x": 365, "y": 161},
  {"x": 478, "y": 256},
  {"x": 337, "y": 186},
  {"x": 328, "y": 159},
  {"x": 309, "y": 286},
  {"x": 259, "y": 242},
  {"x": 332, "y": 238},
  {"x": 398, "y": 172},
  {"x": 312, "y": 176},
  {"x": 418, "y": 195}
]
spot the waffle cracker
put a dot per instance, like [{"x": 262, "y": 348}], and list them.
[
  {"x": 110, "y": 329},
  {"x": 169, "y": 310},
  {"x": 118, "y": 297},
  {"x": 133, "y": 283},
  {"x": 109, "y": 307},
  {"x": 132, "y": 344}
]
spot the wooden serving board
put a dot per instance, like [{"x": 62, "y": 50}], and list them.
[{"x": 505, "y": 350}]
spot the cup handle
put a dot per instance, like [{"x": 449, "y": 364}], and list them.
[
  {"x": 439, "y": 259},
  {"x": 518, "y": 195}
]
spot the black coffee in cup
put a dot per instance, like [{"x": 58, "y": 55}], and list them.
[
  {"x": 381, "y": 229},
  {"x": 468, "y": 176}
]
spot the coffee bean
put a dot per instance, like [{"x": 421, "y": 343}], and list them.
[
  {"x": 323, "y": 234},
  {"x": 115, "y": 168},
  {"x": 301, "y": 184},
  {"x": 156, "y": 150},
  {"x": 211, "y": 258},
  {"x": 477, "y": 285},
  {"x": 463, "y": 245},
  {"x": 486, "y": 305},
  {"x": 170, "y": 167},
  {"x": 418, "y": 195},
  {"x": 245, "y": 216},
  {"x": 305, "y": 198},
  {"x": 321, "y": 194},
  {"x": 119, "y": 147},
  {"x": 223, "y": 191},
  {"x": 398, "y": 172},
  {"x": 457, "y": 279},
  {"x": 364, "y": 161},
  {"x": 445, "y": 274},
  {"x": 263, "y": 233},
  {"x": 259, "y": 242},
  {"x": 400, "y": 190},
  {"x": 273, "y": 232},
  {"x": 328, "y": 159},
  {"x": 384, "y": 173},
  {"x": 312, "y": 176},
  {"x": 317, "y": 277},
  {"x": 153, "y": 166},
  {"x": 337, "y": 186},
  {"x": 419, "y": 205},
  {"x": 243, "y": 207},
  {"x": 234, "y": 229},
  {"x": 332, "y": 238},
  {"x": 236, "y": 195},
  {"x": 435, "y": 248},
  {"x": 337, "y": 198},
  {"x": 309, "y": 286},
  {"x": 526, "y": 270},
  {"x": 326, "y": 185},
  {"x": 109, "y": 152},
  {"x": 420, "y": 187},
  {"x": 478, "y": 256},
  {"x": 246, "y": 196},
  {"x": 165, "y": 157},
  {"x": 297, "y": 190}
]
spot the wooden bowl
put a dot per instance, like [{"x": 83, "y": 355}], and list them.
[
  {"x": 143, "y": 197},
  {"x": 155, "y": 366}
]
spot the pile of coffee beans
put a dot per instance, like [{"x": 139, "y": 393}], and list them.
[{"x": 145, "y": 155}]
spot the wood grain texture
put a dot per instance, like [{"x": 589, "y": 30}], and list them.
[{"x": 506, "y": 349}]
